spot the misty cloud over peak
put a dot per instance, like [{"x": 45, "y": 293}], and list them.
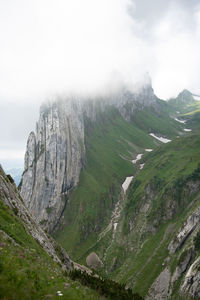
[
  {"x": 91, "y": 47},
  {"x": 51, "y": 46}
]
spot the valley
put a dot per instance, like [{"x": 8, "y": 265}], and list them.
[{"x": 117, "y": 181}]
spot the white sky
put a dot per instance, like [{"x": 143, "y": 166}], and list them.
[{"x": 49, "y": 46}]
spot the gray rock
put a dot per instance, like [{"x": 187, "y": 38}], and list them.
[
  {"x": 160, "y": 288},
  {"x": 191, "y": 282},
  {"x": 181, "y": 268},
  {"x": 93, "y": 261},
  {"x": 188, "y": 227},
  {"x": 53, "y": 160}
]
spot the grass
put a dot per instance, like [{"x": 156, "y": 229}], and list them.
[
  {"x": 26, "y": 271},
  {"x": 111, "y": 143},
  {"x": 136, "y": 256},
  {"x": 167, "y": 171}
]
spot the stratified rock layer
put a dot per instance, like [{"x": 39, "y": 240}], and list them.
[{"x": 53, "y": 160}]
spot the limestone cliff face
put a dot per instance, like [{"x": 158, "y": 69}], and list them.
[
  {"x": 56, "y": 152},
  {"x": 53, "y": 160}
]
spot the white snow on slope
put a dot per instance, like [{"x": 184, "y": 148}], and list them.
[
  {"x": 180, "y": 121},
  {"x": 148, "y": 150},
  {"x": 141, "y": 166},
  {"x": 126, "y": 183},
  {"x": 186, "y": 129},
  {"x": 115, "y": 226},
  {"x": 161, "y": 139},
  {"x": 138, "y": 157}
]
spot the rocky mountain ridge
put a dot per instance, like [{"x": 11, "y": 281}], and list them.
[
  {"x": 55, "y": 154},
  {"x": 140, "y": 238}
]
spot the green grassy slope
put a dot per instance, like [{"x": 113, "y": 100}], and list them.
[
  {"x": 163, "y": 186},
  {"x": 157, "y": 120},
  {"x": 158, "y": 202},
  {"x": 137, "y": 253},
  {"x": 111, "y": 143},
  {"x": 26, "y": 270}
]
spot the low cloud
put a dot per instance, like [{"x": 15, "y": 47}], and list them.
[
  {"x": 51, "y": 46},
  {"x": 91, "y": 46}
]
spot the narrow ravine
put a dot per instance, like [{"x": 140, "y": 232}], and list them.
[{"x": 118, "y": 206}]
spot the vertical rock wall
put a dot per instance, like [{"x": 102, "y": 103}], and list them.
[{"x": 53, "y": 160}]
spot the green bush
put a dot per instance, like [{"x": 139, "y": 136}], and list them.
[
  {"x": 10, "y": 178},
  {"x": 106, "y": 287},
  {"x": 197, "y": 241}
]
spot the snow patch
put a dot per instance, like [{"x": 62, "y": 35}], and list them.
[
  {"x": 148, "y": 150},
  {"x": 115, "y": 226},
  {"x": 141, "y": 166},
  {"x": 126, "y": 183},
  {"x": 187, "y": 130},
  {"x": 138, "y": 157},
  {"x": 180, "y": 121},
  {"x": 161, "y": 139}
]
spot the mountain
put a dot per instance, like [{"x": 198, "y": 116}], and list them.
[
  {"x": 34, "y": 266},
  {"x": 78, "y": 166},
  {"x": 56, "y": 155}
]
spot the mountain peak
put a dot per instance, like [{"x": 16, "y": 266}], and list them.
[{"x": 185, "y": 96}]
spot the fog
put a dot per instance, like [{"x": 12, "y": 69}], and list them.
[{"x": 90, "y": 47}]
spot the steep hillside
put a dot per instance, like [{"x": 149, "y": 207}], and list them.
[
  {"x": 129, "y": 232},
  {"x": 32, "y": 265},
  {"x": 111, "y": 143},
  {"x": 56, "y": 152},
  {"x": 160, "y": 199},
  {"x": 133, "y": 234}
]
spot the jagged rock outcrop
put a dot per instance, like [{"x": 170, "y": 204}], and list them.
[
  {"x": 160, "y": 288},
  {"x": 182, "y": 266},
  {"x": 55, "y": 154},
  {"x": 189, "y": 226},
  {"x": 188, "y": 264},
  {"x": 53, "y": 160},
  {"x": 191, "y": 282}
]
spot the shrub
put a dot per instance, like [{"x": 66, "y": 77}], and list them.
[
  {"x": 10, "y": 178},
  {"x": 106, "y": 287},
  {"x": 197, "y": 241}
]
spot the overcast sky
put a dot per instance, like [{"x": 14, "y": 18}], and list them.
[{"x": 56, "y": 46}]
